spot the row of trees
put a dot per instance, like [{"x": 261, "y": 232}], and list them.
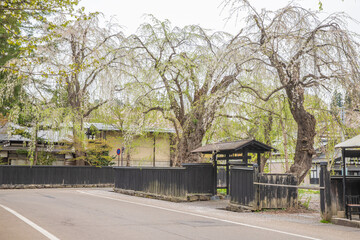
[{"x": 271, "y": 81}]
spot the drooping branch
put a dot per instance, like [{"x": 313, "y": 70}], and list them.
[{"x": 90, "y": 110}]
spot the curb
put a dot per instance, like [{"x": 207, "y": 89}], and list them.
[
  {"x": 187, "y": 198},
  {"x": 345, "y": 222},
  {"x": 238, "y": 208}
]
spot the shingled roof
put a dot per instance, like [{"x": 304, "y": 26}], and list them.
[
  {"x": 350, "y": 143},
  {"x": 250, "y": 145}
]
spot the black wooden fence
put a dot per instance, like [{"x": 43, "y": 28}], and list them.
[
  {"x": 255, "y": 191},
  {"x": 175, "y": 182},
  {"x": 336, "y": 191},
  {"x": 199, "y": 178},
  {"x": 14, "y": 176},
  {"x": 156, "y": 180},
  {"x": 277, "y": 195},
  {"x": 242, "y": 188}
]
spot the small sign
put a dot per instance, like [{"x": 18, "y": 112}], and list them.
[{"x": 118, "y": 151}]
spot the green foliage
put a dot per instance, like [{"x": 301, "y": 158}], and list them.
[
  {"x": 337, "y": 99},
  {"x": 22, "y": 151},
  {"x": 7, "y": 52},
  {"x": 92, "y": 130},
  {"x": 24, "y": 21},
  {"x": 45, "y": 158},
  {"x": 97, "y": 153},
  {"x": 222, "y": 191},
  {"x": 320, "y": 5}
]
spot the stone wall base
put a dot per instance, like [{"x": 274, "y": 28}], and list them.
[
  {"x": 34, "y": 186},
  {"x": 198, "y": 197},
  {"x": 238, "y": 208},
  {"x": 187, "y": 198}
]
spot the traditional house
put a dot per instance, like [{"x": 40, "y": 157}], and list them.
[{"x": 150, "y": 148}]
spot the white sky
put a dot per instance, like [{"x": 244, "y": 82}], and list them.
[{"x": 206, "y": 13}]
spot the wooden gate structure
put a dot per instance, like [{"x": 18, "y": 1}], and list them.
[
  {"x": 226, "y": 154},
  {"x": 349, "y": 175},
  {"x": 251, "y": 190}
]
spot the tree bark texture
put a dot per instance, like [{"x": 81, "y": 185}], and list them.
[
  {"x": 78, "y": 131},
  {"x": 193, "y": 132},
  {"x": 306, "y": 132},
  {"x": 267, "y": 131}
]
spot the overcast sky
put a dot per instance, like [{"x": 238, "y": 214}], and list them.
[{"x": 206, "y": 13}]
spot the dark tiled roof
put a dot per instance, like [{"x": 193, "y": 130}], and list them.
[
  {"x": 15, "y": 138},
  {"x": 237, "y": 146}
]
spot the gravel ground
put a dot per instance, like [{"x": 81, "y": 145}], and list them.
[{"x": 300, "y": 215}]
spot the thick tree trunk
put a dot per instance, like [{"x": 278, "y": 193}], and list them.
[
  {"x": 78, "y": 131},
  {"x": 36, "y": 154},
  {"x": 305, "y": 134},
  {"x": 192, "y": 135},
  {"x": 128, "y": 157},
  {"x": 267, "y": 131},
  {"x": 190, "y": 140},
  {"x": 36, "y": 147}
]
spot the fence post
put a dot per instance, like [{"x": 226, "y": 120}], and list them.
[
  {"x": 325, "y": 195},
  {"x": 1, "y": 175},
  {"x": 256, "y": 187},
  {"x": 215, "y": 173}
]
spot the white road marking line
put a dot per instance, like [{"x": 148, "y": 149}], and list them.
[
  {"x": 37, "y": 227},
  {"x": 203, "y": 216}
]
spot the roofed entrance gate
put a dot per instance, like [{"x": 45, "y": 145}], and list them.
[{"x": 226, "y": 154}]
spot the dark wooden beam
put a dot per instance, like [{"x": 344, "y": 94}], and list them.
[
  {"x": 227, "y": 174},
  {"x": 230, "y": 158},
  {"x": 343, "y": 154},
  {"x": 215, "y": 173},
  {"x": 245, "y": 155},
  {"x": 259, "y": 161},
  {"x": 352, "y": 153}
]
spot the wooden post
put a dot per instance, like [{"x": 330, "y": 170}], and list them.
[
  {"x": 344, "y": 180},
  {"x": 245, "y": 158},
  {"x": 325, "y": 194},
  {"x": 227, "y": 174},
  {"x": 256, "y": 188},
  {"x": 215, "y": 173},
  {"x": 154, "y": 150},
  {"x": 259, "y": 161},
  {"x": 121, "y": 155}
]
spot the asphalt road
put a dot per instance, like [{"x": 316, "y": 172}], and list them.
[{"x": 102, "y": 214}]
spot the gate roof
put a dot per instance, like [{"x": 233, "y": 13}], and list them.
[
  {"x": 249, "y": 145},
  {"x": 350, "y": 143}
]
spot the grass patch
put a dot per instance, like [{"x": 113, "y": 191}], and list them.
[
  {"x": 324, "y": 221},
  {"x": 306, "y": 203},
  {"x": 303, "y": 191},
  {"x": 222, "y": 191}
]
